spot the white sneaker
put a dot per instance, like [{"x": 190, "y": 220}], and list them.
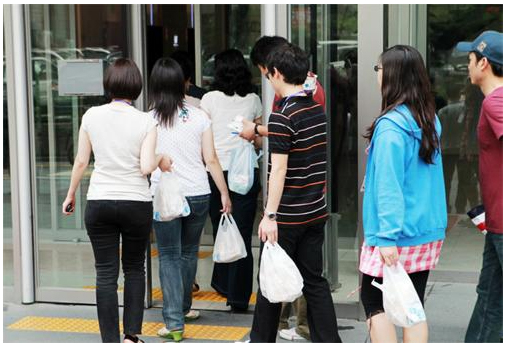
[
  {"x": 192, "y": 315},
  {"x": 290, "y": 334}
]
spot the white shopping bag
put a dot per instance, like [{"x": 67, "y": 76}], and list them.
[
  {"x": 229, "y": 245},
  {"x": 401, "y": 302},
  {"x": 241, "y": 168},
  {"x": 168, "y": 201},
  {"x": 279, "y": 277}
]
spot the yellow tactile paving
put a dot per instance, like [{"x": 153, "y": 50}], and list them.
[
  {"x": 206, "y": 296},
  {"x": 75, "y": 325}
]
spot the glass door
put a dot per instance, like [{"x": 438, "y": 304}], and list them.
[
  {"x": 329, "y": 34},
  {"x": 60, "y": 35}
]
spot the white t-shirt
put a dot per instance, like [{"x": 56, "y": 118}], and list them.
[
  {"x": 183, "y": 143},
  {"x": 117, "y": 131},
  {"x": 222, "y": 110}
]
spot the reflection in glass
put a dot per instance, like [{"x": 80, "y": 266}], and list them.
[
  {"x": 228, "y": 26},
  {"x": 333, "y": 57},
  {"x": 59, "y": 33},
  {"x": 458, "y": 104}
]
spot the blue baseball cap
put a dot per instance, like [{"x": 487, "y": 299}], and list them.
[{"x": 489, "y": 44}]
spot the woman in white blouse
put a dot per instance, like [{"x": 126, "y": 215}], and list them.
[
  {"x": 119, "y": 202},
  {"x": 233, "y": 95}
]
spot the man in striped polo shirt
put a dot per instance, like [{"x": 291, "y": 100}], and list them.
[{"x": 296, "y": 211}]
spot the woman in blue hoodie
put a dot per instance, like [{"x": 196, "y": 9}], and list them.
[{"x": 404, "y": 205}]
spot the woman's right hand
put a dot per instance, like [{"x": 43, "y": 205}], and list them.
[
  {"x": 226, "y": 203},
  {"x": 165, "y": 163},
  {"x": 70, "y": 200},
  {"x": 389, "y": 255}
]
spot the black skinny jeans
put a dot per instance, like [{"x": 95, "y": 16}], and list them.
[
  {"x": 235, "y": 279},
  {"x": 304, "y": 245},
  {"x": 105, "y": 221}
]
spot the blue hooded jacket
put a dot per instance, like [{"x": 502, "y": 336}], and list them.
[{"x": 404, "y": 200}]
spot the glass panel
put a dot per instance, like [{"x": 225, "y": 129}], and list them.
[
  {"x": 7, "y": 200},
  {"x": 60, "y": 33},
  {"x": 222, "y": 27},
  {"x": 328, "y": 33},
  {"x": 228, "y": 26},
  {"x": 225, "y": 27},
  {"x": 458, "y": 106}
]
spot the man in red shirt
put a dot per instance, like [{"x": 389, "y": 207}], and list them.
[{"x": 485, "y": 69}]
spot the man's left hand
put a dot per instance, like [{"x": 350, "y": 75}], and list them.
[{"x": 268, "y": 230}]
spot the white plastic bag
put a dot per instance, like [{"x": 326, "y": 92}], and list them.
[
  {"x": 401, "y": 302},
  {"x": 241, "y": 168},
  {"x": 279, "y": 277},
  {"x": 229, "y": 245},
  {"x": 168, "y": 201}
]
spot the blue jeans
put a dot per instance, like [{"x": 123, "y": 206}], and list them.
[
  {"x": 178, "y": 244},
  {"x": 486, "y": 322}
]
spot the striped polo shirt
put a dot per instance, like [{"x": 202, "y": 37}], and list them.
[{"x": 298, "y": 128}]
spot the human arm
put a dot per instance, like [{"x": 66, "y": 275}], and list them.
[
  {"x": 211, "y": 160},
  {"x": 248, "y": 131},
  {"x": 80, "y": 163},
  {"x": 388, "y": 180},
  {"x": 149, "y": 161},
  {"x": 268, "y": 229}
]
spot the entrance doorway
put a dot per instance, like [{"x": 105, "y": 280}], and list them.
[{"x": 201, "y": 31}]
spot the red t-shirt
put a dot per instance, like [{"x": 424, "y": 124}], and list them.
[
  {"x": 319, "y": 95},
  {"x": 489, "y": 132}
]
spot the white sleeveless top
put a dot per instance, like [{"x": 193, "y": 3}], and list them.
[{"x": 117, "y": 131}]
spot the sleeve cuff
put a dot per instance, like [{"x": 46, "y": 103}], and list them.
[{"x": 384, "y": 242}]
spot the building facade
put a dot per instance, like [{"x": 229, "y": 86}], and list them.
[{"x": 54, "y": 56}]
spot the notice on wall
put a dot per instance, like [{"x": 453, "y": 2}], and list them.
[{"x": 80, "y": 77}]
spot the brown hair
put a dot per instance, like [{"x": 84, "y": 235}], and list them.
[
  {"x": 406, "y": 81},
  {"x": 123, "y": 80}
]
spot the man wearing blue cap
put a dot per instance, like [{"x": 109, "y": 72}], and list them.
[{"x": 485, "y": 68}]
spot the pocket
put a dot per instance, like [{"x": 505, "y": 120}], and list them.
[
  {"x": 93, "y": 214},
  {"x": 199, "y": 205}
]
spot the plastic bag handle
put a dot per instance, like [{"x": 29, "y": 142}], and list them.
[{"x": 377, "y": 285}]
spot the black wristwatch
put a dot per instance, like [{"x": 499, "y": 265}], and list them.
[
  {"x": 255, "y": 129},
  {"x": 270, "y": 215}
]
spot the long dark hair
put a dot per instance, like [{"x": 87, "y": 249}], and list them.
[
  {"x": 166, "y": 90},
  {"x": 232, "y": 74},
  {"x": 406, "y": 81}
]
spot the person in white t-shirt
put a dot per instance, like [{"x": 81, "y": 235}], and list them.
[
  {"x": 184, "y": 133},
  {"x": 233, "y": 95},
  {"x": 119, "y": 202}
]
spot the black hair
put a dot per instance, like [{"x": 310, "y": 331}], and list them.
[
  {"x": 262, "y": 48},
  {"x": 405, "y": 80},
  {"x": 232, "y": 74},
  {"x": 123, "y": 80},
  {"x": 166, "y": 90},
  {"x": 291, "y": 61},
  {"x": 496, "y": 68},
  {"x": 187, "y": 65}
]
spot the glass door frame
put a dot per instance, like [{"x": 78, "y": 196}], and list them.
[{"x": 60, "y": 294}]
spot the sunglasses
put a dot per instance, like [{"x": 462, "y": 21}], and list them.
[{"x": 376, "y": 68}]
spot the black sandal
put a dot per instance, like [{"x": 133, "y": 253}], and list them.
[{"x": 133, "y": 338}]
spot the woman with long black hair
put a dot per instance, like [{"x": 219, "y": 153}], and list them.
[
  {"x": 404, "y": 205},
  {"x": 233, "y": 95},
  {"x": 184, "y": 133}
]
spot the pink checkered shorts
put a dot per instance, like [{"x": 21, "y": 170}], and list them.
[{"x": 414, "y": 258}]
